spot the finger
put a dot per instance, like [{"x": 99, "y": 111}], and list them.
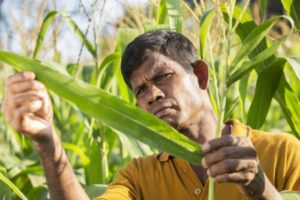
[
  {"x": 22, "y": 98},
  {"x": 21, "y": 112},
  {"x": 214, "y": 144},
  {"x": 226, "y": 140},
  {"x": 232, "y": 166},
  {"x": 243, "y": 178},
  {"x": 45, "y": 111},
  {"x": 12, "y": 103},
  {"x": 33, "y": 124},
  {"x": 228, "y": 152},
  {"x": 20, "y": 87},
  {"x": 20, "y": 77}
]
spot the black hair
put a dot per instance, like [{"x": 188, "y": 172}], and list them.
[{"x": 171, "y": 44}]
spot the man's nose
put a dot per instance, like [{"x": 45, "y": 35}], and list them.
[{"x": 155, "y": 94}]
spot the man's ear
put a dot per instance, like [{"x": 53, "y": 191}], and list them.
[{"x": 201, "y": 71}]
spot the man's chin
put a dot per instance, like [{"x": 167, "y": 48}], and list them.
[{"x": 171, "y": 121}]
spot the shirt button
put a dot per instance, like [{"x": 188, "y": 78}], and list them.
[{"x": 197, "y": 191}]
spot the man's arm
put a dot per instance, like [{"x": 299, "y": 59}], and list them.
[
  {"x": 27, "y": 108},
  {"x": 234, "y": 159}
]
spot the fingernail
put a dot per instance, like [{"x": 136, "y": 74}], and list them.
[
  {"x": 203, "y": 163},
  {"x": 205, "y": 147},
  {"x": 41, "y": 86},
  {"x": 208, "y": 172},
  {"x": 28, "y": 75}
]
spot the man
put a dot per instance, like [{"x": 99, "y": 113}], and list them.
[{"x": 168, "y": 81}]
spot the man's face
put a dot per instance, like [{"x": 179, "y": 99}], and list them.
[{"x": 165, "y": 89}]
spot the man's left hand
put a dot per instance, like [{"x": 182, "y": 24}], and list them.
[{"x": 234, "y": 159}]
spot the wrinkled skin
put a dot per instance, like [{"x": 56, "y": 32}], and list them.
[
  {"x": 27, "y": 106},
  {"x": 179, "y": 97}
]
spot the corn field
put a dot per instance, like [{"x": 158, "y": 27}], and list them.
[{"x": 254, "y": 64}]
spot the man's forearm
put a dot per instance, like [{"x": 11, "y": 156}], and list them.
[{"x": 61, "y": 180}]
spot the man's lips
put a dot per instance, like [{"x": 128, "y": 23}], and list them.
[{"x": 161, "y": 109}]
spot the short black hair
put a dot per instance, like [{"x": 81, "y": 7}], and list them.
[{"x": 171, "y": 44}]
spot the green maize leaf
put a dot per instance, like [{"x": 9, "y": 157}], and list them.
[
  {"x": 107, "y": 69},
  {"x": 95, "y": 190},
  {"x": 5, "y": 191},
  {"x": 263, "y": 8},
  {"x": 205, "y": 24},
  {"x": 125, "y": 36},
  {"x": 245, "y": 26},
  {"x": 93, "y": 172},
  {"x": 230, "y": 106},
  {"x": 289, "y": 104},
  {"x": 83, "y": 158},
  {"x": 294, "y": 62},
  {"x": 266, "y": 87},
  {"x": 38, "y": 193},
  {"x": 170, "y": 8},
  {"x": 30, "y": 170},
  {"x": 135, "y": 148},
  {"x": 162, "y": 12},
  {"x": 151, "y": 27},
  {"x": 116, "y": 113},
  {"x": 290, "y": 195},
  {"x": 292, "y": 72},
  {"x": 243, "y": 86},
  {"x": 12, "y": 186},
  {"x": 250, "y": 65},
  {"x": 253, "y": 39},
  {"x": 292, "y": 7},
  {"x": 175, "y": 16},
  {"x": 74, "y": 27}
]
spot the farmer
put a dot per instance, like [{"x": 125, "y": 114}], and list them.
[{"x": 168, "y": 80}]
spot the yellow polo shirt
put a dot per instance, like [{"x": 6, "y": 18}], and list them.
[{"x": 160, "y": 177}]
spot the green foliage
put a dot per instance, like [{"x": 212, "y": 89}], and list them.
[
  {"x": 206, "y": 21},
  {"x": 111, "y": 110},
  {"x": 45, "y": 25},
  {"x": 290, "y": 195},
  {"x": 266, "y": 87},
  {"x": 292, "y": 8},
  {"x": 13, "y": 187},
  {"x": 94, "y": 111}
]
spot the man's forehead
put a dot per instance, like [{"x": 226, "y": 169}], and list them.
[{"x": 154, "y": 63}]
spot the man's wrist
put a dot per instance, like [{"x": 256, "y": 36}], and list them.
[
  {"x": 48, "y": 145},
  {"x": 267, "y": 191}
]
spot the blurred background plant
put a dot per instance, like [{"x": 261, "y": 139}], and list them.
[{"x": 263, "y": 72}]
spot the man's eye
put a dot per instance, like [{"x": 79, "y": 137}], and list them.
[
  {"x": 140, "y": 91},
  {"x": 163, "y": 76}
]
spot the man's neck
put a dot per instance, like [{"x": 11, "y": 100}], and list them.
[{"x": 205, "y": 129}]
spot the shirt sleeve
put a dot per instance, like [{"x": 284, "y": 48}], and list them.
[
  {"x": 292, "y": 179},
  {"x": 124, "y": 187}
]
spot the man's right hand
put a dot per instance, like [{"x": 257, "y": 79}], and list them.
[{"x": 27, "y": 107}]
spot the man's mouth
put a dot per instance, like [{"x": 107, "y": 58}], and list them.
[{"x": 163, "y": 110}]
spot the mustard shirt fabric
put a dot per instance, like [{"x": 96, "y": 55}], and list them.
[{"x": 163, "y": 177}]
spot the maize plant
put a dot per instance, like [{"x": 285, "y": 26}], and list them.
[{"x": 254, "y": 77}]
